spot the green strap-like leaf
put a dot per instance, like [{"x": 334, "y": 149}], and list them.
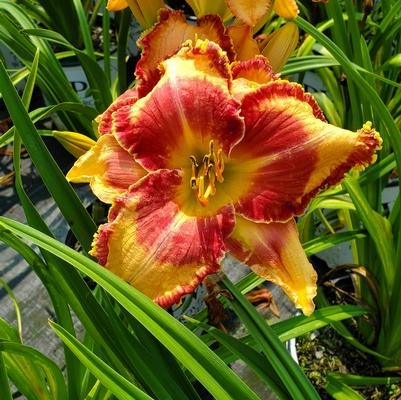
[
  {"x": 284, "y": 366},
  {"x": 111, "y": 379},
  {"x": 210, "y": 370},
  {"x": 54, "y": 379},
  {"x": 4, "y": 384},
  {"x": 340, "y": 391},
  {"x": 67, "y": 200}
]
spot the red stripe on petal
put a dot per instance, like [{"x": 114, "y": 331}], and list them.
[
  {"x": 288, "y": 153},
  {"x": 161, "y": 251},
  {"x": 190, "y": 106}
]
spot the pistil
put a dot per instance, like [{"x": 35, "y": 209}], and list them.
[{"x": 204, "y": 176}]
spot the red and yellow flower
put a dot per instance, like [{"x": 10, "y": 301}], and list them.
[{"x": 216, "y": 158}]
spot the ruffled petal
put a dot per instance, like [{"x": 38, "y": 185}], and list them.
[
  {"x": 289, "y": 152},
  {"x": 249, "y": 11},
  {"x": 145, "y": 11},
  {"x": 116, "y": 5},
  {"x": 286, "y": 8},
  {"x": 249, "y": 75},
  {"x": 273, "y": 251},
  {"x": 155, "y": 247},
  {"x": 207, "y": 7},
  {"x": 190, "y": 106},
  {"x": 167, "y": 37},
  {"x": 278, "y": 46},
  {"x": 245, "y": 45},
  {"x": 105, "y": 120},
  {"x": 108, "y": 168}
]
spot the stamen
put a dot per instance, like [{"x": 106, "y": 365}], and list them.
[{"x": 212, "y": 168}]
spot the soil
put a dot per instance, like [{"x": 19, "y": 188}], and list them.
[{"x": 327, "y": 351}]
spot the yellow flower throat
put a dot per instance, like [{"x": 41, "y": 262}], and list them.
[{"x": 204, "y": 176}]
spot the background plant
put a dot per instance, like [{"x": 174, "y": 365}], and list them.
[
  {"x": 126, "y": 335},
  {"x": 358, "y": 63}
]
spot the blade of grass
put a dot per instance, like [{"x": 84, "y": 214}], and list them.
[
  {"x": 106, "y": 42},
  {"x": 307, "y": 63},
  {"x": 121, "y": 387},
  {"x": 164, "y": 359},
  {"x": 51, "y": 76},
  {"x": 98, "y": 83},
  {"x": 341, "y": 391},
  {"x": 189, "y": 350},
  {"x": 4, "y": 384},
  {"x": 43, "y": 112},
  {"x": 382, "y": 236},
  {"x": 65, "y": 197},
  {"x": 326, "y": 242},
  {"x": 298, "y": 326},
  {"x": 84, "y": 28},
  {"x": 54, "y": 377},
  {"x": 289, "y": 372},
  {"x": 16, "y": 306},
  {"x": 251, "y": 357},
  {"x": 60, "y": 305},
  {"x": 357, "y": 380},
  {"x": 122, "y": 40}
]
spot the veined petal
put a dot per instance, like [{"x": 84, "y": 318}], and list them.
[
  {"x": 108, "y": 168},
  {"x": 249, "y": 11},
  {"x": 207, "y": 7},
  {"x": 116, "y": 5},
  {"x": 286, "y": 8},
  {"x": 289, "y": 152},
  {"x": 167, "y": 37},
  {"x": 273, "y": 251},
  {"x": 249, "y": 75},
  {"x": 155, "y": 247},
  {"x": 105, "y": 120},
  {"x": 278, "y": 46},
  {"x": 190, "y": 106},
  {"x": 145, "y": 11},
  {"x": 245, "y": 45}
]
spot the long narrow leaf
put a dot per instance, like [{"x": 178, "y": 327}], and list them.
[
  {"x": 120, "y": 386},
  {"x": 340, "y": 391},
  {"x": 189, "y": 350},
  {"x": 65, "y": 197},
  {"x": 4, "y": 384},
  {"x": 289, "y": 372},
  {"x": 251, "y": 357},
  {"x": 54, "y": 377}
]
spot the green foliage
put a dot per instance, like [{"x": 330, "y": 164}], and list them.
[{"x": 132, "y": 349}]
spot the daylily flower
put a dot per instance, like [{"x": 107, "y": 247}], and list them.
[{"x": 214, "y": 159}]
